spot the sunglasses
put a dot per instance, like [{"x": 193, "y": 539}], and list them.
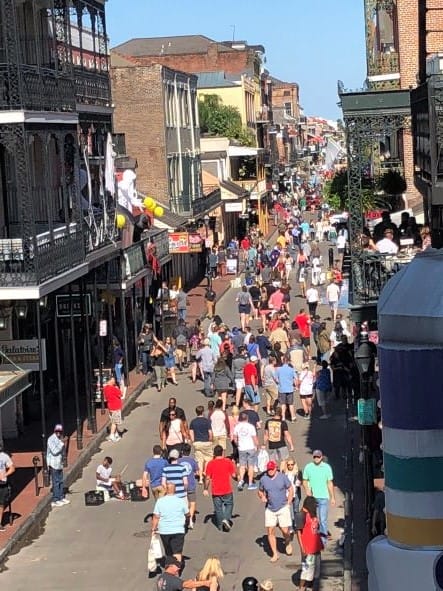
[
  {"x": 290, "y": 465},
  {"x": 172, "y": 414}
]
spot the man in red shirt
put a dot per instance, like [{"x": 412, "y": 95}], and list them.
[
  {"x": 113, "y": 398},
  {"x": 303, "y": 322},
  {"x": 218, "y": 474},
  {"x": 250, "y": 375}
]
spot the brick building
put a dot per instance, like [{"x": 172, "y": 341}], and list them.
[
  {"x": 392, "y": 47},
  {"x": 156, "y": 108},
  {"x": 286, "y": 116}
]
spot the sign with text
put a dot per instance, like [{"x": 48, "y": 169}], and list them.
[
  {"x": 24, "y": 354},
  {"x": 184, "y": 242},
  {"x": 233, "y": 206},
  {"x": 71, "y": 304}
]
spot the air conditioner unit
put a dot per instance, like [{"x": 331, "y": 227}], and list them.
[{"x": 434, "y": 64}]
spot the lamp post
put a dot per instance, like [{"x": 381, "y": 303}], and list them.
[
  {"x": 208, "y": 274},
  {"x": 365, "y": 361}
]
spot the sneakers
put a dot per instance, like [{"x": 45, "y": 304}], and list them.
[
  {"x": 65, "y": 501},
  {"x": 226, "y": 525},
  {"x": 252, "y": 486},
  {"x": 293, "y": 419},
  {"x": 240, "y": 485},
  {"x": 325, "y": 417},
  {"x": 114, "y": 438},
  {"x": 2, "y": 527},
  {"x": 57, "y": 504}
]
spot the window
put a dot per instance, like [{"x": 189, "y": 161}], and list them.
[
  {"x": 288, "y": 108},
  {"x": 286, "y": 93}
]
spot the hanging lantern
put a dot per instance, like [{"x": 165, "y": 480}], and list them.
[
  {"x": 120, "y": 221},
  {"x": 149, "y": 203},
  {"x": 159, "y": 211}
]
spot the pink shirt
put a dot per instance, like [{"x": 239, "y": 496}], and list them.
[{"x": 276, "y": 299}]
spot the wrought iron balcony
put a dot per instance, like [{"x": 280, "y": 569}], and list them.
[
  {"x": 369, "y": 274},
  {"x": 92, "y": 88},
  {"x": 46, "y": 255},
  {"x": 384, "y": 63},
  {"x": 38, "y": 89}
]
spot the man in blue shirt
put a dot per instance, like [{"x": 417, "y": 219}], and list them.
[
  {"x": 286, "y": 377},
  {"x": 168, "y": 520},
  {"x": 176, "y": 474},
  {"x": 152, "y": 474},
  {"x": 191, "y": 471}
]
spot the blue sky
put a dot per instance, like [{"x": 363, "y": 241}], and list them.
[{"x": 312, "y": 42}]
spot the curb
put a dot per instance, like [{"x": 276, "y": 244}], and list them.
[{"x": 32, "y": 523}]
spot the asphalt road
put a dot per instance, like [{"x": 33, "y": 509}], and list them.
[{"x": 105, "y": 548}]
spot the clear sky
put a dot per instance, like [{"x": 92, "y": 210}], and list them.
[{"x": 312, "y": 42}]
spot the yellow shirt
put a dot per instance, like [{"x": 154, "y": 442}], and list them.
[{"x": 281, "y": 240}]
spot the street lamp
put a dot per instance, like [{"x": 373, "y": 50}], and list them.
[
  {"x": 365, "y": 361},
  {"x": 206, "y": 220}
]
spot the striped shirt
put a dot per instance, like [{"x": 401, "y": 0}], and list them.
[{"x": 175, "y": 473}]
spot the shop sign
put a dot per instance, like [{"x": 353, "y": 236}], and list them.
[
  {"x": 24, "y": 354},
  {"x": 231, "y": 266},
  {"x": 233, "y": 206},
  {"x": 65, "y": 301},
  {"x": 195, "y": 243},
  {"x": 178, "y": 243}
]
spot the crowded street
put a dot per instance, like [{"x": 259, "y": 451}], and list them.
[{"x": 106, "y": 546}]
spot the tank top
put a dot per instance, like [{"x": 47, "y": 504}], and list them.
[{"x": 175, "y": 435}]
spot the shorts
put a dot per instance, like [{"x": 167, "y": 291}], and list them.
[
  {"x": 192, "y": 496},
  {"x": 271, "y": 393},
  {"x": 173, "y": 543},
  {"x": 244, "y": 308},
  {"x": 282, "y": 517},
  {"x": 306, "y": 341},
  {"x": 322, "y": 397},
  {"x": 158, "y": 491},
  {"x": 116, "y": 417},
  {"x": 280, "y": 454},
  {"x": 252, "y": 395},
  {"x": 286, "y": 397},
  {"x": 333, "y": 305},
  {"x": 239, "y": 383},
  {"x": 247, "y": 458},
  {"x": 310, "y": 567},
  {"x": 4, "y": 495},
  {"x": 304, "y": 396}
]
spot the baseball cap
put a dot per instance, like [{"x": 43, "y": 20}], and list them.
[
  {"x": 174, "y": 454},
  {"x": 271, "y": 465},
  {"x": 171, "y": 561},
  {"x": 253, "y": 358},
  {"x": 317, "y": 453},
  {"x": 58, "y": 427}
]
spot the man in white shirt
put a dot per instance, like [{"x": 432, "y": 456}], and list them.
[
  {"x": 104, "y": 480},
  {"x": 312, "y": 298},
  {"x": 333, "y": 295},
  {"x": 245, "y": 437},
  {"x": 387, "y": 245},
  {"x": 341, "y": 242}
]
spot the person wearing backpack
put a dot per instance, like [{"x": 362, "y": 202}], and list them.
[{"x": 310, "y": 542}]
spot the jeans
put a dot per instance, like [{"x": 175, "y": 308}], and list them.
[
  {"x": 57, "y": 484},
  {"x": 207, "y": 383},
  {"x": 223, "y": 506},
  {"x": 146, "y": 361},
  {"x": 118, "y": 369},
  {"x": 322, "y": 513},
  {"x": 181, "y": 313}
]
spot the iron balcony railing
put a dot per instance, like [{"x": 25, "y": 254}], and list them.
[
  {"x": 384, "y": 63},
  {"x": 38, "y": 89},
  {"x": 31, "y": 262},
  {"x": 92, "y": 88},
  {"x": 370, "y": 272}
]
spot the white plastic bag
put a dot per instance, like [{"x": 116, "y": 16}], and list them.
[
  {"x": 152, "y": 562},
  {"x": 156, "y": 546},
  {"x": 262, "y": 460}
]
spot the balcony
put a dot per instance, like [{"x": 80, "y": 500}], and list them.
[
  {"x": 384, "y": 63},
  {"x": 32, "y": 262},
  {"x": 92, "y": 88},
  {"x": 369, "y": 274},
  {"x": 41, "y": 89},
  {"x": 262, "y": 115}
]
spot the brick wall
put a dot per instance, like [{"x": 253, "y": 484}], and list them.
[
  {"x": 407, "y": 18},
  {"x": 137, "y": 93},
  {"x": 232, "y": 62}
]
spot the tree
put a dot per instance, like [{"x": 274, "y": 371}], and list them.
[
  {"x": 222, "y": 120},
  {"x": 393, "y": 183},
  {"x": 336, "y": 194}
]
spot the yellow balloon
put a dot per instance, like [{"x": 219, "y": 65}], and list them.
[
  {"x": 159, "y": 211},
  {"x": 120, "y": 221},
  {"x": 149, "y": 203}
]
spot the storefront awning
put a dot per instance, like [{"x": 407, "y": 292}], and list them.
[
  {"x": 12, "y": 383},
  {"x": 241, "y": 151}
]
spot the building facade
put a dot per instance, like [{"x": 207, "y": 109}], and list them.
[{"x": 156, "y": 108}]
